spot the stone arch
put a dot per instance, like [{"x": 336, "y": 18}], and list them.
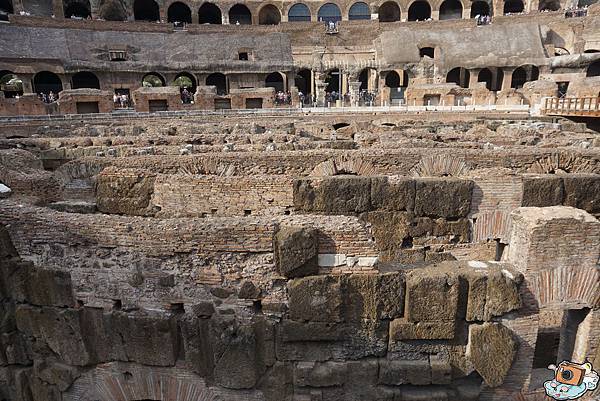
[
  {"x": 46, "y": 82},
  {"x": 419, "y": 10},
  {"x": 77, "y": 8},
  {"x": 153, "y": 79},
  {"x": 523, "y": 74},
  {"x": 441, "y": 165},
  {"x": 241, "y": 14},
  {"x": 562, "y": 163},
  {"x": 549, "y": 5},
  {"x": 218, "y": 80},
  {"x": 179, "y": 12},
  {"x": 303, "y": 81},
  {"x": 299, "y": 12},
  {"x": 389, "y": 12},
  {"x": 275, "y": 80},
  {"x": 207, "y": 166},
  {"x": 6, "y": 8},
  {"x": 567, "y": 287},
  {"x": 85, "y": 79},
  {"x": 513, "y": 7},
  {"x": 210, "y": 13},
  {"x": 359, "y": 11},
  {"x": 460, "y": 76},
  {"x": 343, "y": 165},
  {"x": 486, "y": 75},
  {"x": 451, "y": 9},
  {"x": 480, "y": 7},
  {"x": 593, "y": 69},
  {"x": 269, "y": 15},
  {"x": 329, "y": 12},
  {"x": 146, "y": 10},
  {"x": 10, "y": 84}
]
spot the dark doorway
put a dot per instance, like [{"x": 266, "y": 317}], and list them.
[
  {"x": 419, "y": 11},
  {"x": 6, "y": 8},
  {"x": 146, "y": 10},
  {"x": 87, "y": 107},
  {"x": 274, "y": 80},
  {"x": 389, "y": 12},
  {"x": 85, "y": 79},
  {"x": 299, "y": 13},
  {"x": 112, "y": 10},
  {"x": 460, "y": 76},
  {"x": 153, "y": 80},
  {"x": 179, "y": 12},
  {"x": 329, "y": 12},
  {"x": 333, "y": 81},
  {"x": 513, "y": 7},
  {"x": 269, "y": 15},
  {"x": 549, "y": 5},
  {"x": 593, "y": 69},
  {"x": 158, "y": 105},
  {"x": 210, "y": 14},
  {"x": 451, "y": 9},
  {"x": 77, "y": 9},
  {"x": 254, "y": 103},
  {"x": 359, "y": 11},
  {"x": 524, "y": 74},
  {"x": 46, "y": 82},
  {"x": 480, "y": 8},
  {"x": 303, "y": 81},
  {"x": 240, "y": 14},
  {"x": 427, "y": 52},
  {"x": 491, "y": 83},
  {"x": 220, "y": 81},
  {"x": 185, "y": 80}
]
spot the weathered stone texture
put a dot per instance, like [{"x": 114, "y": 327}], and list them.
[
  {"x": 119, "y": 192},
  {"x": 492, "y": 349},
  {"x": 295, "y": 251}
]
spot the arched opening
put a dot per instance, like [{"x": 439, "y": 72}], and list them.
[
  {"x": 329, "y": 12},
  {"x": 77, "y": 9},
  {"x": 460, "y": 76},
  {"x": 333, "y": 81},
  {"x": 6, "y": 8},
  {"x": 427, "y": 52},
  {"x": 480, "y": 8},
  {"x": 112, "y": 10},
  {"x": 146, "y": 10},
  {"x": 275, "y": 80},
  {"x": 269, "y": 15},
  {"x": 493, "y": 80},
  {"x": 85, "y": 79},
  {"x": 451, "y": 9},
  {"x": 392, "y": 79},
  {"x": 210, "y": 14},
  {"x": 299, "y": 13},
  {"x": 153, "y": 80},
  {"x": 359, "y": 11},
  {"x": 185, "y": 80},
  {"x": 389, "y": 12},
  {"x": 549, "y": 5},
  {"x": 419, "y": 11},
  {"x": 179, "y": 12},
  {"x": 524, "y": 74},
  {"x": 240, "y": 15},
  {"x": 593, "y": 69},
  {"x": 586, "y": 51},
  {"x": 303, "y": 81},
  {"x": 219, "y": 80},
  {"x": 47, "y": 82},
  {"x": 363, "y": 78},
  {"x": 513, "y": 7},
  {"x": 10, "y": 84},
  {"x": 397, "y": 84}
]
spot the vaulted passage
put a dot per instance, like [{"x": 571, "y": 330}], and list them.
[
  {"x": 480, "y": 8},
  {"x": 330, "y": 12},
  {"x": 153, "y": 80},
  {"x": 269, "y": 15},
  {"x": 359, "y": 11},
  {"x": 6, "y": 8},
  {"x": 210, "y": 14},
  {"x": 513, "y": 7},
  {"x": 299, "y": 13},
  {"x": 420, "y": 10},
  {"x": 460, "y": 76},
  {"x": 10, "y": 84},
  {"x": 85, "y": 79},
  {"x": 240, "y": 14},
  {"x": 389, "y": 12},
  {"x": 179, "y": 12},
  {"x": 274, "y": 80},
  {"x": 451, "y": 9},
  {"x": 146, "y": 10},
  {"x": 77, "y": 9},
  {"x": 46, "y": 82},
  {"x": 219, "y": 80},
  {"x": 524, "y": 74}
]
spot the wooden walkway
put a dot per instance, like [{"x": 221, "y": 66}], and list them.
[{"x": 572, "y": 106}]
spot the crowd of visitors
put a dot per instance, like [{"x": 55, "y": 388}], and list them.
[
  {"x": 283, "y": 98},
  {"x": 121, "y": 101},
  {"x": 576, "y": 12},
  {"x": 331, "y": 27},
  {"x": 49, "y": 97},
  {"x": 186, "y": 96},
  {"x": 483, "y": 19}
]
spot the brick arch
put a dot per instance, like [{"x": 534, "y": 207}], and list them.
[
  {"x": 341, "y": 165},
  {"x": 398, "y": 3},
  {"x": 258, "y": 8},
  {"x": 439, "y": 166},
  {"x": 188, "y": 3},
  {"x": 118, "y": 382},
  {"x": 436, "y": 4},
  {"x": 563, "y": 163},
  {"x": 346, "y": 9},
  {"x": 567, "y": 287}
]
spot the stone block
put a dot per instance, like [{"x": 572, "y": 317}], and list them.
[
  {"x": 403, "y": 330},
  {"x": 235, "y": 356},
  {"x": 333, "y": 195},
  {"x": 293, "y": 331},
  {"x": 295, "y": 251},
  {"x": 491, "y": 349},
  {"x": 196, "y": 337},
  {"x": 57, "y": 374},
  {"x": 477, "y": 295},
  {"x": 320, "y": 374},
  {"x": 431, "y": 296},
  {"x": 396, "y": 373},
  {"x": 315, "y": 299},
  {"x": 248, "y": 290},
  {"x": 125, "y": 192},
  {"x": 42, "y": 287},
  {"x": 582, "y": 191},
  {"x": 542, "y": 191},
  {"x": 396, "y": 195},
  {"x": 441, "y": 370},
  {"x": 502, "y": 293},
  {"x": 449, "y": 198},
  {"x": 7, "y": 249}
]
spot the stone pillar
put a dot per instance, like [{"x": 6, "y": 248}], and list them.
[
  {"x": 225, "y": 18},
  {"x": 473, "y": 77},
  {"x": 320, "y": 85},
  {"x": 344, "y": 88},
  {"x": 435, "y": 15},
  {"x": 27, "y": 83},
  {"x": 195, "y": 17},
  {"x": 354, "y": 92},
  {"x": 57, "y": 8},
  {"x": 507, "y": 79},
  {"x": 312, "y": 83},
  {"x": 65, "y": 79},
  {"x": 18, "y": 6},
  {"x": 466, "y": 13},
  {"x": 163, "y": 14}
]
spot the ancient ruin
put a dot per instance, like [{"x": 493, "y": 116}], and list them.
[{"x": 412, "y": 216}]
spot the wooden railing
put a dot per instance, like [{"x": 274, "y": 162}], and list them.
[{"x": 572, "y": 106}]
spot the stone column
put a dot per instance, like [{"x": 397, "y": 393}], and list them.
[
  {"x": 225, "y": 18},
  {"x": 354, "y": 92},
  {"x": 435, "y": 15},
  {"x": 195, "y": 17},
  {"x": 507, "y": 79},
  {"x": 320, "y": 85},
  {"x": 466, "y": 13},
  {"x": 57, "y": 8},
  {"x": 473, "y": 77},
  {"x": 27, "y": 80}
]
